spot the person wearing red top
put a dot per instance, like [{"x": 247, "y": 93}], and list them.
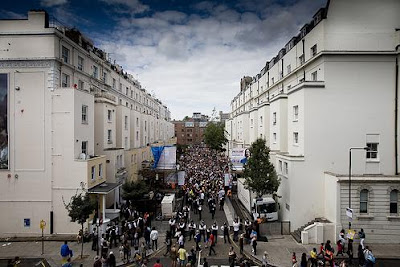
[
  {"x": 157, "y": 264},
  {"x": 212, "y": 244}
]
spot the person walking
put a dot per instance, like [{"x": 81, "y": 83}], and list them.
[
  {"x": 232, "y": 257},
  {"x": 192, "y": 229},
  {"x": 202, "y": 228},
  {"x": 65, "y": 252},
  {"x": 264, "y": 259},
  {"x": 241, "y": 243},
  {"x": 112, "y": 261},
  {"x": 214, "y": 230},
  {"x": 360, "y": 254},
  {"x": 212, "y": 245},
  {"x": 205, "y": 262},
  {"x": 225, "y": 230},
  {"x": 173, "y": 255},
  {"x": 313, "y": 257},
  {"x": 361, "y": 235},
  {"x": 154, "y": 238},
  {"x": 236, "y": 227},
  {"x": 157, "y": 264},
  {"x": 200, "y": 210},
  {"x": 182, "y": 256},
  {"x": 168, "y": 242},
  {"x": 294, "y": 259},
  {"x": 95, "y": 239},
  {"x": 303, "y": 262},
  {"x": 254, "y": 244},
  {"x": 197, "y": 239}
]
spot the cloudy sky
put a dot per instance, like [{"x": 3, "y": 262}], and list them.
[{"x": 190, "y": 54}]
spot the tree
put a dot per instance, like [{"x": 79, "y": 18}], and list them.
[
  {"x": 214, "y": 135},
  {"x": 79, "y": 209},
  {"x": 134, "y": 191},
  {"x": 259, "y": 172}
]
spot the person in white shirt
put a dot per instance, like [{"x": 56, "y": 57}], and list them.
[
  {"x": 154, "y": 238},
  {"x": 172, "y": 226},
  {"x": 236, "y": 226}
]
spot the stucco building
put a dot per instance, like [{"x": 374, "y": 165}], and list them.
[
  {"x": 333, "y": 87},
  {"x": 72, "y": 120}
]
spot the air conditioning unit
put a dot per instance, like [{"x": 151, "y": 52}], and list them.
[{"x": 82, "y": 156}]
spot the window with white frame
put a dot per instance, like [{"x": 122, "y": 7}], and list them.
[
  {"x": 274, "y": 118},
  {"x": 93, "y": 172},
  {"x": 101, "y": 170},
  {"x": 65, "y": 80},
  {"x": 126, "y": 142},
  {"x": 289, "y": 68},
  {"x": 95, "y": 72},
  {"x": 109, "y": 115},
  {"x": 85, "y": 110},
  {"x": 137, "y": 122},
  {"x": 80, "y": 63},
  {"x": 394, "y": 199},
  {"x": 84, "y": 147},
  {"x": 274, "y": 137},
  {"x": 286, "y": 168},
  {"x": 313, "y": 50},
  {"x": 314, "y": 76},
  {"x": 120, "y": 87},
  {"x": 295, "y": 112},
  {"x": 65, "y": 54},
  {"x": 126, "y": 122},
  {"x": 301, "y": 59},
  {"x": 105, "y": 77},
  {"x": 81, "y": 85},
  {"x": 109, "y": 136},
  {"x": 280, "y": 166},
  {"x": 114, "y": 82},
  {"x": 127, "y": 91},
  {"x": 272, "y": 80},
  {"x": 261, "y": 121},
  {"x": 296, "y": 138},
  {"x": 364, "y": 201},
  {"x": 137, "y": 135},
  {"x": 372, "y": 152},
  {"x": 251, "y": 123}
]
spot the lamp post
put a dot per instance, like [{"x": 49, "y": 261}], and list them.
[{"x": 355, "y": 148}]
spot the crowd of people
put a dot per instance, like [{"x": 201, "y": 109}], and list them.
[{"x": 344, "y": 245}]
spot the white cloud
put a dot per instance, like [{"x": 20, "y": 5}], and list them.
[
  {"x": 127, "y": 6},
  {"x": 51, "y": 3},
  {"x": 5, "y": 14},
  {"x": 195, "y": 62}
]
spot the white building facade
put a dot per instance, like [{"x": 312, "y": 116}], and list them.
[
  {"x": 71, "y": 120},
  {"x": 331, "y": 88}
]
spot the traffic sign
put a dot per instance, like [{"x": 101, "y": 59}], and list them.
[
  {"x": 42, "y": 224},
  {"x": 349, "y": 213}
]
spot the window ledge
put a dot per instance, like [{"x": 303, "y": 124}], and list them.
[
  {"x": 373, "y": 160},
  {"x": 366, "y": 216},
  {"x": 296, "y": 144},
  {"x": 295, "y": 120},
  {"x": 393, "y": 217}
]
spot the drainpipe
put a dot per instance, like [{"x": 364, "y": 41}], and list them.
[
  {"x": 396, "y": 114},
  {"x": 304, "y": 56}
]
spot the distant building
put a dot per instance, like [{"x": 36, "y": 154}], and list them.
[
  {"x": 223, "y": 117},
  {"x": 190, "y": 131}
]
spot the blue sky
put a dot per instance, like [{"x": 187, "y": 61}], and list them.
[{"x": 190, "y": 54}]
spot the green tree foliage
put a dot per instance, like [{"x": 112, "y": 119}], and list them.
[
  {"x": 214, "y": 135},
  {"x": 79, "y": 209},
  {"x": 134, "y": 191},
  {"x": 259, "y": 172}
]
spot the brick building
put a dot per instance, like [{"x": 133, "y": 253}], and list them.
[{"x": 190, "y": 130}]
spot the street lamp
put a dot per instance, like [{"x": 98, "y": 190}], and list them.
[{"x": 355, "y": 148}]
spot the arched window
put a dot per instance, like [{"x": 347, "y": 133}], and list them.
[
  {"x": 364, "y": 201},
  {"x": 394, "y": 197}
]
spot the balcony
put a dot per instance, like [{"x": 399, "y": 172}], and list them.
[{"x": 105, "y": 95}]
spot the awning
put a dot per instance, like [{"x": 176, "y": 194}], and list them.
[{"x": 104, "y": 188}]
